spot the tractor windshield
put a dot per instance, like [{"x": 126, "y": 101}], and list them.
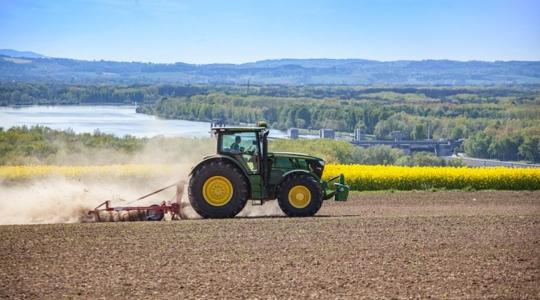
[{"x": 242, "y": 145}]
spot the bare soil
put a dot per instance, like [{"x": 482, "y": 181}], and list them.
[{"x": 473, "y": 245}]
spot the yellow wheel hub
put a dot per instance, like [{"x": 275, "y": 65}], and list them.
[
  {"x": 299, "y": 196},
  {"x": 217, "y": 190}
]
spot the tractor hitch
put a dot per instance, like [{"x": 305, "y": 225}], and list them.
[{"x": 340, "y": 190}]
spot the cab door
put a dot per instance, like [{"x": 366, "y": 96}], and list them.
[{"x": 244, "y": 147}]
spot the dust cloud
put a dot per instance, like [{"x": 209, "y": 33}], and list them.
[
  {"x": 268, "y": 209},
  {"x": 159, "y": 150},
  {"x": 58, "y": 199},
  {"x": 66, "y": 200}
]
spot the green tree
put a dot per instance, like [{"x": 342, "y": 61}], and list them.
[
  {"x": 421, "y": 159},
  {"x": 457, "y": 132},
  {"x": 477, "y": 145},
  {"x": 505, "y": 147},
  {"x": 530, "y": 149},
  {"x": 270, "y": 114},
  {"x": 303, "y": 117},
  {"x": 381, "y": 155},
  {"x": 419, "y": 132}
]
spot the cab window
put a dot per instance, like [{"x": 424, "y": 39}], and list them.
[{"x": 244, "y": 147}]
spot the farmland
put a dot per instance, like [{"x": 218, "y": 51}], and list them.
[
  {"x": 429, "y": 242},
  {"x": 406, "y": 244}
]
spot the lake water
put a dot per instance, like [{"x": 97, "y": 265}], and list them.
[{"x": 117, "y": 120}]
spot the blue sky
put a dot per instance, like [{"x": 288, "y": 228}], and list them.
[{"x": 231, "y": 31}]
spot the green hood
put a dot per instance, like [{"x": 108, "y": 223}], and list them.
[{"x": 294, "y": 155}]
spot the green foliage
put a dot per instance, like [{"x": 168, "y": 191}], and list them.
[
  {"x": 41, "y": 145},
  {"x": 478, "y": 145},
  {"x": 495, "y": 121},
  {"x": 331, "y": 151},
  {"x": 505, "y": 142},
  {"x": 339, "y": 151},
  {"x": 38, "y": 145},
  {"x": 21, "y": 142},
  {"x": 505, "y": 147},
  {"x": 530, "y": 149},
  {"x": 427, "y": 159},
  {"x": 380, "y": 155}
]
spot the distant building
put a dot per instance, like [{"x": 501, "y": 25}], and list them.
[
  {"x": 326, "y": 133},
  {"x": 293, "y": 133},
  {"x": 218, "y": 123},
  {"x": 359, "y": 135},
  {"x": 440, "y": 147}
]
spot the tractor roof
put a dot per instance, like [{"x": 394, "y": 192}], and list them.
[{"x": 238, "y": 129}]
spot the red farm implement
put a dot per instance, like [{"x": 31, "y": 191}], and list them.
[{"x": 105, "y": 212}]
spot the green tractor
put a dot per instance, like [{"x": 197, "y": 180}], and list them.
[{"x": 221, "y": 184}]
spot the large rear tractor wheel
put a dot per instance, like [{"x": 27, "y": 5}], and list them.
[
  {"x": 300, "y": 196},
  {"x": 218, "y": 190}
]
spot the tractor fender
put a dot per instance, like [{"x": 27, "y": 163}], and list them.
[
  {"x": 207, "y": 159},
  {"x": 293, "y": 172},
  {"x": 210, "y": 158}
]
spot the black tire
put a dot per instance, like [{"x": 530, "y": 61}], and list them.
[
  {"x": 239, "y": 190},
  {"x": 305, "y": 181}
]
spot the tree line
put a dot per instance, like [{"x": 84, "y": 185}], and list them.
[
  {"x": 42, "y": 145},
  {"x": 495, "y": 121}
]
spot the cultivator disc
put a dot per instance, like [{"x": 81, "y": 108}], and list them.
[
  {"x": 105, "y": 212},
  {"x": 120, "y": 216}
]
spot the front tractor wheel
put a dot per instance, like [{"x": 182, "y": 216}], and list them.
[
  {"x": 300, "y": 196},
  {"x": 218, "y": 190}
]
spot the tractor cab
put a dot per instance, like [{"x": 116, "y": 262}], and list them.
[
  {"x": 243, "y": 169},
  {"x": 246, "y": 145}
]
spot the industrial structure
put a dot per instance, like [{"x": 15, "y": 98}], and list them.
[
  {"x": 442, "y": 147},
  {"x": 326, "y": 133},
  {"x": 293, "y": 133}
]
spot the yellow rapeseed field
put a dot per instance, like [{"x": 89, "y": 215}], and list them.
[
  {"x": 14, "y": 173},
  {"x": 359, "y": 177},
  {"x": 368, "y": 178}
]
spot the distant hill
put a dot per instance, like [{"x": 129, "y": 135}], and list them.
[
  {"x": 281, "y": 71},
  {"x": 15, "y": 53}
]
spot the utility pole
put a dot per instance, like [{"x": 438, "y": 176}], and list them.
[{"x": 429, "y": 130}]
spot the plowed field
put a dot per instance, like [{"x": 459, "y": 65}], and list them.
[{"x": 377, "y": 245}]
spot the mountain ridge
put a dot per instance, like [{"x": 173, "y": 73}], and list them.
[
  {"x": 270, "y": 71},
  {"x": 20, "y": 54}
]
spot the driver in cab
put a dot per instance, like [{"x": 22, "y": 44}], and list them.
[{"x": 235, "y": 147}]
